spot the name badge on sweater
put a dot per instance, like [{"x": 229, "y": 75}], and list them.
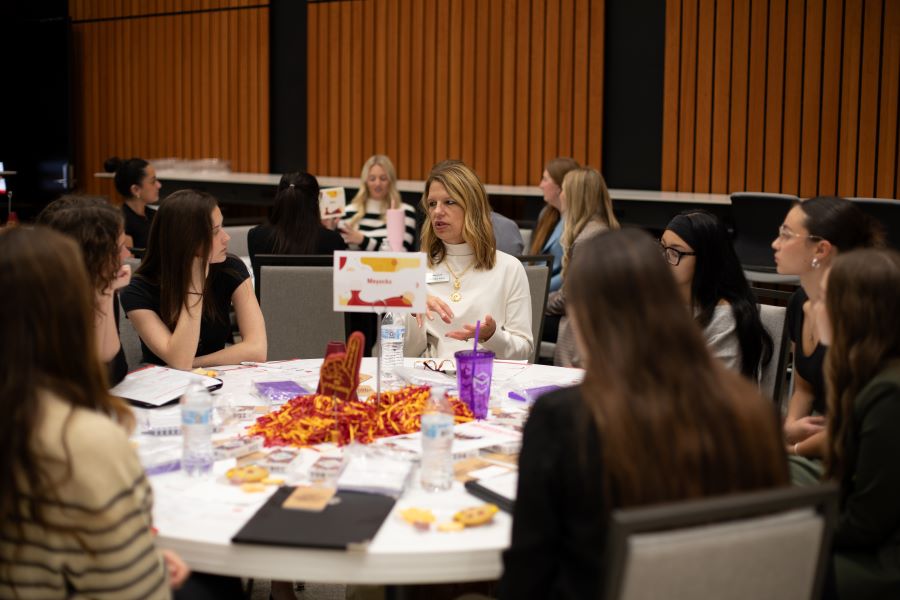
[{"x": 432, "y": 277}]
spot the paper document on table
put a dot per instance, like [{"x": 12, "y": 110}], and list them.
[
  {"x": 155, "y": 386},
  {"x": 375, "y": 475},
  {"x": 468, "y": 439}
]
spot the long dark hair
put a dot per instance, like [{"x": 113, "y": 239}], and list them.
[
  {"x": 673, "y": 422},
  {"x": 718, "y": 275},
  {"x": 296, "y": 218},
  {"x": 128, "y": 172},
  {"x": 181, "y": 230},
  {"x": 550, "y": 216},
  {"x": 48, "y": 346},
  {"x": 96, "y": 227},
  {"x": 862, "y": 300}
]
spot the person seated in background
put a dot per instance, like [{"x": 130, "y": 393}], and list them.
[
  {"x": 97, "y": 228},
  {"x": 75, "y": 505},
  {"x": 814, "y": 232},
  {"x": 656, "y": 419},
  {"x": 364, "y": 226},
  {"x": 587, "y": 211},
  {"x": 507, "y": 234},
  {"x": 135, "y": 180},
  {"x": 711, "y": 282},
  {"x": 295, "y": 226},
  {"x": 179, "y": 299},
  {"x": 858, "y": 319},
  {"x": 469, "y": 280}
]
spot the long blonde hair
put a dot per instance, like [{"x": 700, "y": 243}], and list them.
[
  {"x": 587, "y": 199},
  {"x": 359, "y": 200},
  {"x": 463, "y": 185}
]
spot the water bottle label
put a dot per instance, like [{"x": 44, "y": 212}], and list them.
[
  {"x": 393, "y": 334},
  {"x": 195, "y": 417},
  {"x": 437, "y": 428}
]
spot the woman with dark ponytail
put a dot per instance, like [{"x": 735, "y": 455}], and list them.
[
  {"x": 135, "y": 180},
  {"x": 712, "y": 284},
  {"x": 295, "y": 226}
]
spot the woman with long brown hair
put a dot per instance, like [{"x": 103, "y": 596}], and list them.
[
  {"x": 587, "y": 211},
  {"x": 547, "y": 236},
  {"x": 860, "y": 322},
  {"x": 656, "y": 419},
  {"x": 75, "y": 506},
  {"x": 180, "y": 297}
]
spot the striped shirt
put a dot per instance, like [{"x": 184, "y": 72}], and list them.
[
  {"x": 98, "y": 542},
  {"x": 374, "y": 227}
]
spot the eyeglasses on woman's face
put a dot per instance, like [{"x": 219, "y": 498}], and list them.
[
  {"x": 786, "y": 234},
  {"x": 673, "y": 255}
]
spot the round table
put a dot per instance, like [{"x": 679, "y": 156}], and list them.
[{"x": 198, "y": 518}]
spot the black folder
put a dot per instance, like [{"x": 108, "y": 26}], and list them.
[
  {"x": 488, "y": 495},
  {"x": 350, "y": 519}
]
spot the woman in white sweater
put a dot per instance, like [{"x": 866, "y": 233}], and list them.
[{"x": 468, "y": 278}]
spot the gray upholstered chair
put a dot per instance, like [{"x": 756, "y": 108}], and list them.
[
  {"x": 295, "y": 294},
  {"x": 537, "y": 269},
  {"x": 771, "y": 544},
  {"x": 130, "y": 340},
  {"x": 238, "y": 243},
  {"x": 772, "y": 376}
]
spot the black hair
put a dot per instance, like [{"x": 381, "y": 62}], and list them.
[
  {"x": 842, "y": 223},
  {"x": 128, "y": 173},
  {"x": 718, "y": 275},
  {"x": 296, "y": 218}
]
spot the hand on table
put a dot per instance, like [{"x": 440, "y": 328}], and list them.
[
  {"x": 488, "y": 327},
  {"x": 804, "y": 427},
  {"x": 434, "y": 305},
  {"x": 177, "y": 569}
]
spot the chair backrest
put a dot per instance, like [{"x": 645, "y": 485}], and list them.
[
  {"x": 757, "y": 216},
  {"x": 772, "y": 376},
  {"x": 537, "y": 269},
  {"x": 130, "y": 340},
  {"x": 295, "y": 294},
  {"x": 238, "y": 243},
  {"x": 771, "y": 544},
  {"x": 886, "y": 212}
]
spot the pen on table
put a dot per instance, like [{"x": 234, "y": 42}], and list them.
[{"x": 247, "y": 363}]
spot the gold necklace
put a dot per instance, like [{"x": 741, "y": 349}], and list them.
[{"x": 456, "y": 296}]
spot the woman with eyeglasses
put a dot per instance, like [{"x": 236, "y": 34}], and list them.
[
  {"x": 655, "y": 420},
  {"x": 712, "y": 284},
  {"x": 587, "y": 211},
  {"x": 469, "y": 279},
  {"x": 812, "y": 235},
  {"x": 858, "y": 319}
]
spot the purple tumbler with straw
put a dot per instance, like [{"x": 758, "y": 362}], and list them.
[{"x": 473, "y": 376}]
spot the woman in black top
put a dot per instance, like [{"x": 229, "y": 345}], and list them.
[
  {"x": 811, "y": 236},
  {"x": 97, "y": 228},
  {"x": 180, "y": 297},
  {"x": 295, "y": 226},
  {"x": 656, "y": 419},
  {"x": 135, "y": 179}
]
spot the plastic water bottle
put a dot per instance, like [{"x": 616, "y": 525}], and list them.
[
  {"x": 393, "y": 331},
  {"x": 437, "y": 442},
  {"x": 196, "y": 431}
]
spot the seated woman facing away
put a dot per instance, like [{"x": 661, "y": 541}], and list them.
[
  {"x": 295, "y": 226},
  {"x": 469, "y": 280},
  {"x": 75, "y": 505},
  {"x": 656, "y": 419},
  {"x": 587, "y": 211},
  {"x": 97, "y": 228},
  {"x": 180, "y": 296},
  {"x": 860, "y": 322},
  {"x": 711, "y": 282}
]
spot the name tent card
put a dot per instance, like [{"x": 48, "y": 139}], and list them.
[
  {"x": 379, "y": 282},
  {"x": 332, "y": 202}
]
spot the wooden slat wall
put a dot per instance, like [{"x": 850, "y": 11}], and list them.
[
  {"x": 179, "y": 84},
  {"x": 503, "y": 85},
  {"x": 792, "y": 96}
]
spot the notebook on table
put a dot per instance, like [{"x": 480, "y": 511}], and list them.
[{"x": 350, "y": 520}]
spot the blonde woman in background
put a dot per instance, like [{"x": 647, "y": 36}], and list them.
[
  {"x": 586, "y": 211},
  {"x": 364, "y": 227},
  {"x": 469, "y": 279}
]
